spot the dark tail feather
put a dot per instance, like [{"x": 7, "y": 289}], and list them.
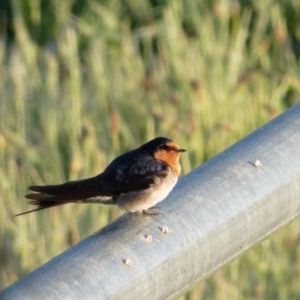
[
  {"x": 43, "y": 201},
  {"x": 78, "y": 189},
  {"x": 55, "y": 195},
  {"x": 42, "y": 205}
]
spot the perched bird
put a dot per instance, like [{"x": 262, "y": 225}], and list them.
[{"x": 136, "y": 180}]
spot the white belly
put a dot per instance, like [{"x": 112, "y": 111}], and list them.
[{"x": 142, "y": 200}]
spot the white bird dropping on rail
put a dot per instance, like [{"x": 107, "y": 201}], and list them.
[
  {"x": 165, "y": 229},
  {"x": 127, "y": 262},
  {"x": 149, "y": 237},
  {"x": 257, "y": 164}
]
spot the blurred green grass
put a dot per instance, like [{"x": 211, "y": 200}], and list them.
[{"x": 103, "y": 81}]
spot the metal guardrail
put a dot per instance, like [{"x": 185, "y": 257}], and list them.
[{"x": 215, "y": 213}]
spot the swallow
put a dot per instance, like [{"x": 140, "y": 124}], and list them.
[{"x": 135, "y": 181}]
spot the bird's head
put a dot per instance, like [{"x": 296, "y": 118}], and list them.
[{"x": 165, "y": 150}]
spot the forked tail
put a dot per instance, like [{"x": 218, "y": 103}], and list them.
[{"x": 55, "y": 195}]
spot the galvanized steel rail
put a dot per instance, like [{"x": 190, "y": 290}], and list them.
[{"x": 214, "y": 214}]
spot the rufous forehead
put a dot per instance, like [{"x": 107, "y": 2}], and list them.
[{"x": 172, "y": 145}]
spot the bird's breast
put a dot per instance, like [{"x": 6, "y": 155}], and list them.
[{"x": 144, "y": 199}]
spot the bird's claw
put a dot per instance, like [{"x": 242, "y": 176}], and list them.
[{"x": 151, "y": 212}]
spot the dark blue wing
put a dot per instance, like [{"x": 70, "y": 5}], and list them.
[{"x": 132, "y": 171}]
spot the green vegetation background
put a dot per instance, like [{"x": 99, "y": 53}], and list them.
[{"x": 83, "y": 81}]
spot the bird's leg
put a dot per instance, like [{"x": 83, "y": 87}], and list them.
[{"x": 151, "y": 212}]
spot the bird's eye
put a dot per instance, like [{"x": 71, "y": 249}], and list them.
[{"x": 164, "y": 147}]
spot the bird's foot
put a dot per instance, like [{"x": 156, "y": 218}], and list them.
[{"x": 151, "y": 212}]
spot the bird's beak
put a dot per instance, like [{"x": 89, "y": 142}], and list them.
[{"x": 180, "y": 150}]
